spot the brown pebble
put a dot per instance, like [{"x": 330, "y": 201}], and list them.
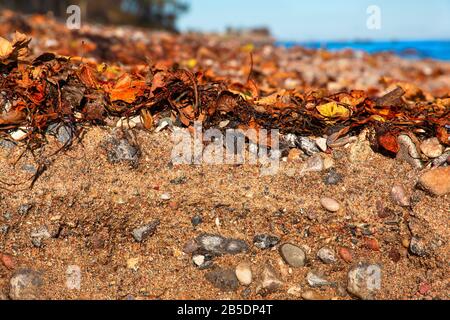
[
  {"x": 7, "y": 261},
  {"x": 406, "y": 242},
  {"x": 345, "y": 254},
  {"x": 395, "y": 255},
  {"x": 372, "y": 244}
]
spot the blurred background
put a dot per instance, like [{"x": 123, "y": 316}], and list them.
[{"x": 411, "y": 28}]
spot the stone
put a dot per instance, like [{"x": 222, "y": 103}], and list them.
[
  {"x": 63, "y": 133},
  {"x": 330, "y": 204},
  {"x": 432, "y": 148},
  {"x": 408, "y": 151},
  {"x": 142, "y": 233},
  {"x": 223, "y": 279},
  {"x": 19, "y": 134},
  {"x": 436, "y": 181},
  {"x": 399, "y": 196},
  {"x": 38, "y": 235},
  {"x": 322, "y": 144},
  {"x": 218, "y": 245},
  {"x": 24, "y": 208},
  {"x": 270, "y": 280},
  {"x": 165, "y": 197},
  {"x": 7, "y": 144},
  {"x": 119, "y": 149},
  {"x": 244, "y": 273},
  {"x": 307, "y": 145},
  {"x": 196, "y": 220},
  {"x": 360, "y": 151},
  {"x": 7, "y": 261},
  {"x": 313, "y": 296},
  {"x": 293, "y": 255},
  {"x": 364, "y": 281},
  {"x": 315, "y": 280},
  {"x": 313, "y": 164},
  {"x": 265, "y": 241},
  {"x": 345, "y": 254},
  {"x": 326, "y": 256},
  {"x": 418, "y": 247},
  {"x": 202, "y": 261},
  {"x": 332, "y": 178},
  {"x": 294, "y": 155},
  {"x": 26, "y": 284}
]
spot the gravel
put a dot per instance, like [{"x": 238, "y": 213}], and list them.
[{"x": 265, "y": 241}]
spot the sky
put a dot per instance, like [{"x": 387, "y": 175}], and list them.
[{"x": 307, "y": 20}]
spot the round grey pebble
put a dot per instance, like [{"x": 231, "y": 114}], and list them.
[
  {"x": 196, "y": 220},
  {"x": 326, "y": 256},
  {"x": 293, "y": 255}
]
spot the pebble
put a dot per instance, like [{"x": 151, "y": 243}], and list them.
[
  {"x": 360, "y": 151},
  {"x": 313, "y": 164},
  {"x": 24, "y": 208},
  {"x": 294, "y": 155},
  {"x": 322, "y": 144},
  {"x": 120, "y": 150},
  {"x": 62, "y": 132},
  {"x": 313, "y": 296},
  {"x": 165, "y": 196},
  {"x": 244, "y": 273},
  {"x": 142, "y": 233},
  {"x": 129, "y": 123},
  {"x": 38, "y": 235},
  {"x": 418, "y": 247},
  {"x": 202, "y": 261},
  {"x": 345, "y": 254},
  {"x": 7, "y": 261},
  {"x": 223, "y": 279},
  {"x": 307, "y": 145},
  {"x": 399, "y": 196},
  {"x": 293, "y": 255},
  {"x": 218, "y": 245},
  {"x": 326, "y": 256},
  {"x": 364, "y": 280},
  {"x": 372, "y": 244},
  {"x": 196, "y": 220},
  {"x": 265, "y": 241},
  {"x": 295, "y": 291},
  {"x": 332, "y": 178},
  {"x": 315, "y": 280},
  {"x": 26, "y": 285},
  {"x": 19, "y": 134},
  {"x": 7, "y": 144},
  {"x": 436, "y": 181},
  {"x": 270, "y": 280},
  {"x": 432, "y": 148},
  {"x": 408, "y": 151},
  {"x": 330, "y": 204}
]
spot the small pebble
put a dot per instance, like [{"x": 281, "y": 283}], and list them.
[
  {"x": 313, "y": 296},
  {"x": 436, "y": 181},
  {"x": 142, "y": 233},
  {"x": 196, "y": 220},
  {"x": 345, "y": 254},
  {"x": 315, "y": 280},
  {"x": 364, "y": 280},
  {"x": 330, "y": 204},
  {"x": 399, "y": 196},
  {"x": 265, "y": 241},
  {"x": 270, "y": 280},
  {"x": 432, "y": 148},
  {"x": 26, "y": 284},
  {"x": 223, "y": 279},
  {"x": 322, "y": 144},
  {"x": 326, "y": 256},
  {"x": 293, "y": 255},
  {"x": 244, "y": 273},
  {"x": 332, "y": 178}
]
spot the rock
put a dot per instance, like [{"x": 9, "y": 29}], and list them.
[
  {"x": 7, "y": 144},
  {"x": 372, "y": 244},
  {"x": 364, "y": 281},
  {"x": 244, "y": 273},
  {"x": 322, "y": 144},
  {"x": 26, "y": 284},
  {"x": 38, "y": 235},
  {"x": 165, "y": 197},
  {"x": 294, "y": 155},
  {"x": 270, "y": 280},
  {"x": 326, "y": 256},
  {"x": 315, "y": 280},
  {"x": 190, "y": 247},
  {"x": 63, "y": 133},
  {"x": 444, "y": 158},
  {"x": 7, "y": 261},
  {"x": 202, "y": 261},
  {"x": 119, "y": 149},
  {"x": 330, "y": 204},
  {"x": 432, "y": 148},
  {"x": 328, "y": 162},
  {"x": 313, "y": 164},
  {"x": 408, "y": 151},
  {"x": 129, "y": 123},
  {"x": 142, "y": 233},
  {"x": 196, "y": 220},
  {"x": 436, "y": 181},
  {"x": 218, "y": 245},
  {"x": 19, "y": 134},
  {"x": 223, "y": 279},
  {"x": 293, "y": 255},
  {"x": 399, "y": 197},
  {"x": 332, "y": 178},
  {"x": 307, "y": 145},
  {"x": 418, "y": 247},
  {"x": 24, "y": 208},
  {"x": 345, "y": 254},
  {"x": 265, "y": 241},
  {"x": 424, "y": 288},
  {"x": 313, "y": 296},
  {"x": 295, "y": 291},
  {"x": 360, "y": 151}
]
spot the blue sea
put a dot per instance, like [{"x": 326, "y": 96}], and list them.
[{"x": 432, "y": 49}]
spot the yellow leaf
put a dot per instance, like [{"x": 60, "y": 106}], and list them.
[
  {"x": 333, "y": 110},
  {"x": 6, "y": 48},
  {"x": 191, "y": 63},
  {"x": 248, "y": 47},
  {"x": 378, "y": 118}
]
